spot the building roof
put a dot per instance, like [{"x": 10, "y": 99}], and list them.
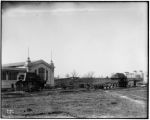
[
  {"x": 20, "y": 65},
  {"x": 39, "y": 62},
  {"x": 14, "y": 64},
  {"x": 13, "y": 69}
]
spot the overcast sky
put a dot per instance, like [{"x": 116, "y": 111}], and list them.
[{"x": 103, "y": 37}]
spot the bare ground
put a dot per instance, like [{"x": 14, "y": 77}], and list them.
[{"x": 119, "y": 103}]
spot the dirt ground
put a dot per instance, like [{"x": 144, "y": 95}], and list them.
[{"x": 118, "y": 103}]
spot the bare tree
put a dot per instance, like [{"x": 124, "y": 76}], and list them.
[
  {"x": 74, "y": 74},
  {"x": 89, "y": 75},
  {"x": 67, "y": 75},
  {"x": 57, "y": 77}
]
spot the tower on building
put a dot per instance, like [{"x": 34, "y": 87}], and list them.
[
  {"x": 28, "y": 63},
  {"x": 51, "y": 63}
]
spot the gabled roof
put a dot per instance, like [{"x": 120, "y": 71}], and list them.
[
  {"x": 40, "y": 62},
  {"x": 21, "y": 64}
]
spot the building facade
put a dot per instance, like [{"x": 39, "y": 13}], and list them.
[{"x": 11, "y": 71}]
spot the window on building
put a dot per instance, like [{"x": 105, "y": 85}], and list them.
[
  {"x": 12, "y": 75},
  {"x": 36, "y": 71},
  {"x": 3, "y": 75},
  {"x": 81, "y": 85},
  {"x": 42, "y": 73},
  {"x": 46, "y": 75}
]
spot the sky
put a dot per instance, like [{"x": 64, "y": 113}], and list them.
[{"x": 98, "y": 37}]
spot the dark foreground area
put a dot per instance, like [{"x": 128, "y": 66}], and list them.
[{"x": 117, "y": 103}]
